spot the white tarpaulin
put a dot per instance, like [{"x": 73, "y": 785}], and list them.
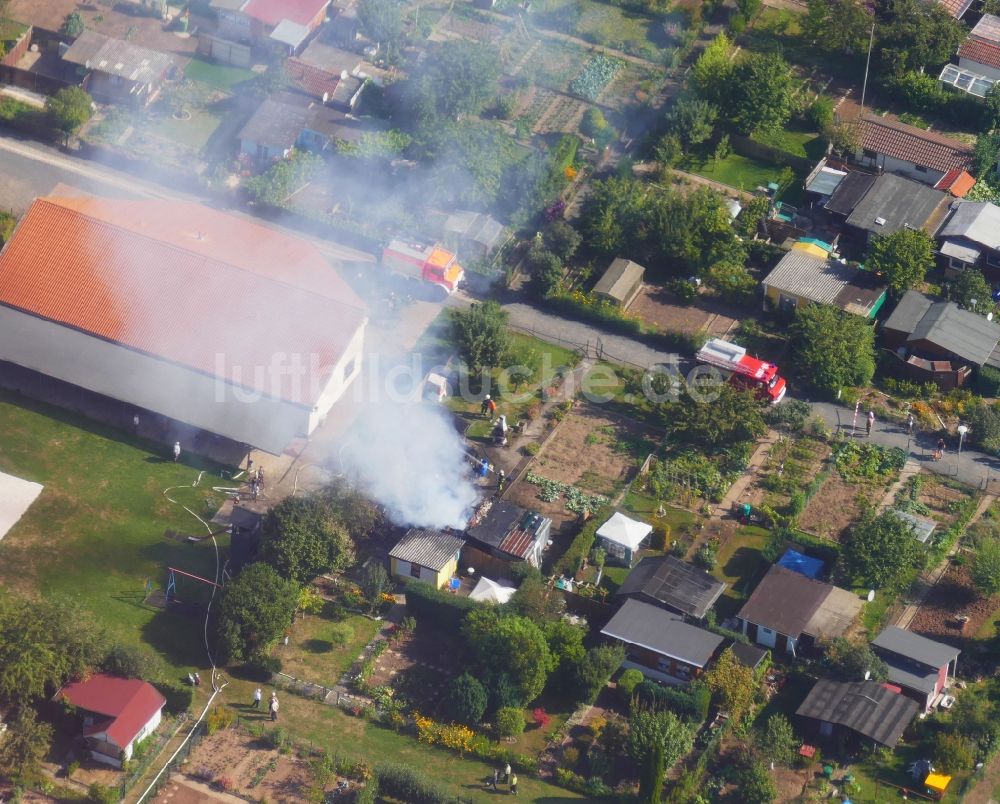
[
  {"x": 491, "y": 591},
  {"x": 624, "y": 531},
  {"x": 16, "y": 496}
]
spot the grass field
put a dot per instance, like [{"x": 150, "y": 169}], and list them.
[
  {"x": 193, "y": 133},
  {"x": 321, "y": 650},
  {"x": 741, "y": 565},
  {"x": 735, "y": 170},
  {"x": 96, "y": 532},
  {"x": 219, "y": 76}
]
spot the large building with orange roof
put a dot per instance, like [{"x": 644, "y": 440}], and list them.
[{"x": 204, "y": 318}]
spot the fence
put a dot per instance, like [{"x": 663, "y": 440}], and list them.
[
  {"x": 173, "y": 765},
  {"x": 589, "y": 348}
]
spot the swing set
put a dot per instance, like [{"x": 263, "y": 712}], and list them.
[{"x": 168, "y": 598}]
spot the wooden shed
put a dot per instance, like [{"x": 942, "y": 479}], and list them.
[{"x": 621, "y": 282}]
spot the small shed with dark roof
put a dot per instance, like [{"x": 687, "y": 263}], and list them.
[
  {"x": 894, "y": 203},
  {"x": 621, "y": 282},
  {"x": 660, "y": 644},
  {"x": 867, "y": 708},
  {"x": 675, "y": 585},
  {"x": 508, "y": 532},
  {"x": 851, "y": 189},
  {"x": 749, "y": 655},
  {"x": 919, "y": 665},
  {"x": 427, "y": 555}
]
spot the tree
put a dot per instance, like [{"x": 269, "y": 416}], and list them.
[
  {"x": 302, "y": 537},
  {"x": 546, "y": 269},
  {"x": 381, "y": 21},
  {"x": 971, "y": 291},
  {"x": 777, "y": 740},
  {"x": 536, "y": 601},
  {"x": 919, "y": 36},
  {"x": 985, "y": 155},
  {"x": 480, "y": 334},
  {"x": 133, "y": 661},
  {"x": 656, "y": 740},
  {"x": 24, "y": 745},
  {"x": 358, "y": 513},
  {"x": 733, "y": 685},
  {"x": 593, "y": 122},
  {"x": 756, "y": 784},
  {"x": 692, "y": 120},
  {"x": 880, "y": 549},
  {"x": 458, "y": 78},
  {"x": 509, "y": 722},
  {"x": 986, "y": 567},
  {"x": 283, "y": 178},
  {"x": 510, "y": 646},
  {"x": 69, "y": 109},
  {"x": 565, "y": 642},
  {"x": 73, "y": 24},
  {"x": 375, "y": 582},
  {"x": 952, "y": 753},
  {"x": 731, "y": 280},
  {"x": 629, "y": 680},
  {"x": 760, "y": 97},
  {"x": 992, "y": 105},
  {"x": 465, "y": 700},
  {"x": 594, "y": 670},
  {"x": 749, "y": 8},
  {"x": 903, "y": 258},
  {"x": 831, "y": 348},
  {"x": 849, "y": 660},
  {"x": 838, "y": 26},
  {"x": 730, "y": 415},
  {"x": 257, "y": 607},
  {"x": 712, "y": 71},
  {"x": 562, "y": 239}
]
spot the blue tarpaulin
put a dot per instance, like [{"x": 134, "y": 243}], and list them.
[{"x": 804, "y": 565}]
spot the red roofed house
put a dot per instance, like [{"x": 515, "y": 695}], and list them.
[
  {"x": 894, "y": 147},
  {"x": 117, "y": 713},
  {"x": 205, "y": 319},
  {"x": 978, "y": 67}
]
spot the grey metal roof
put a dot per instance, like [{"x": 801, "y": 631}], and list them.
[
  {"x": 911, "y": 675},
  {"x": 619, "y": 279},
  {"x": 960, "y": 250},
  {"x": 866, "y": 707},
  {"x": 475, "y": 226},
  {"x": 427, "y": 547},
  {"x": 988, "y": 28},
  {"x": 978, "y": 221},
  {"x": 675, "y": 583},
  {"x": 899, "y": 202},
  {"x": 117, "y": 57},
  {"x": 849, "y": 192},
  {"x": 784, "y": 601},
  {"x": 913, "y": 646},
  {"x": 921, "y": 525},
  {"x": 826, "y": 181},
  {"x": 275, "y": 124},
  {"x": 651, "y": 627},
  {"x": 289, "y": 33},
  {"x": 749, "y": 655},
  {"x": 227, "y": 5},
  {"x": 327, "y": 57},
  {"x": 909, "y": 311},
  {"x": 835, "y": 614},
  {"x": 825, "y": 282},
  {"x": 961, "y": 332}
]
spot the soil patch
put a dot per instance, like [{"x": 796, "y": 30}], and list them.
[
  {"x": 417, "y": 667},
  {"x": 660, "y": 307},
  {"x": 832, "y": 509}
]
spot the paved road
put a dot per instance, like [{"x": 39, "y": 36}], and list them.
[
  {"x": 973, "y": 468},
  {"x": 29, "y": 169}
]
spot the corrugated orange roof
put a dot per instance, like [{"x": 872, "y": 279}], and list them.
[
  {"x": 956, "y": 182},
  {"x": 187, "y": 284}
]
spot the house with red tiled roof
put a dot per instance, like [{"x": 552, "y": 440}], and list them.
[
  {"x": 286, "y": 24},
  {"x": 203, "y": 321},
  {"x": 956, "y": 8},
  {"x": 978, "y": 67},
  {"x": 117, "y": 713},
  {"x": 893, "y": 147}
]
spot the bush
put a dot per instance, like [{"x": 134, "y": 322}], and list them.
[
  {"x": 220, "y": 718},
  {"x": 705, "y": 557},
  {"x": 988, "y": 382},
  {"x": 629, "y": 680},
  {"x": 691, "y": 704},
  {"x": 821, "y": 112},
  {"x": 179, "y": 696},
  {"x": 465, "y": 699},
  {"x": 408, "y": 784},
  {"x": 572, "y": 560},
  {"x": 369, "y": 793},
  {"x": 509, "y": 721},
  {"x": 341, "y": 634},
  {"x": 952, "y": 752},
  {"x": 435, "y": 608},
  {"x": 99, "y": 793},
  {"x": 278, "y": 738}
]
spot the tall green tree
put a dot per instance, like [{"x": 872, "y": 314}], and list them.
[
  {"x": 480, "y": 334},
  {"x": 713, "y": 70},
  {"x": 723, "y": 415},
  {"x": 510, "y": 646},
  {"x": 303, "y": 537},
  {"x": 971, "y": 291},
  {"x": 375, "y": 582},
  {"x": 612, "y": 214},
  {"x": 256, "y": 609},
  {"x": 903, "y": 258},
  {"x": 760, "y": 97},
  {"x": 986, "y": 567},
  {"x": 732, "y": 684},
  {"x": 832, "y": 349},
  {"x": 381, "y": 21},
  {"x": 880, "y": 550},
  {"x": 692, "y": 120},
  {"x": 458, "y": 78},
  {"x": 919, "y": 36},
  {"x": 850, "y": 660},
  {"x": 465, "y": 699},
  {"x": 69, "y": 109},
  {"x": 985, "y": 155},
  {"x": 594, "y": 670},
  {"x": 777, "y": 740},
  {"x": 24, "y": 745},
  {"x": 656, "y": 740},
  {"x": 838, "y": 26},
  {"x": 565, "y": 642}
]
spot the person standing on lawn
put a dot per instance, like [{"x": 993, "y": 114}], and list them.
[
  {"x": 256, "y": 698},
  {"x": 513, "y": 785}
]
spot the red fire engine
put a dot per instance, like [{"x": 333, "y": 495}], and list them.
[{"x": 742, "y": 368}]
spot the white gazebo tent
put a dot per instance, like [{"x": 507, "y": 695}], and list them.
[
  {"x": 16, "y": 496},
  {"x": 488, "y": 591},
  {"x": 621, "y": 537}
]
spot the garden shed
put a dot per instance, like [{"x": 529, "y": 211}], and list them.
[
  {"x": 621, "y": 283},
  {"x": 622, "y": 537}
]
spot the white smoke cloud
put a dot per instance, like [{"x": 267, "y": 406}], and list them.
[{"x": 409, "y": 457}]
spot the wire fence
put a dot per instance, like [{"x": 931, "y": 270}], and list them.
[
  {"x": 589, "y": 348},
  {"x": 173, "y": 765}
]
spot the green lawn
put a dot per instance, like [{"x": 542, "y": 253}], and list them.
[
  {"x": 193, "y": 133},
  {"x": 735, "y": 170},
  {"x": 219, "y": 76},
  {"x": 804, "y": 144},
  {"x": 96, "y": 531},
  {"x": 329, "y": 728},
  {"x": 741, "y": 565},
  {"x": 321, "y": 650}
]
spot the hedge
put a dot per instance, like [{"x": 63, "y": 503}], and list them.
[
  {"x": 440, "y": 610},
  {"x": 691, "y": 704},
  {"x": 179, "y": 696},
  {"x": 988, "y": 382},
  {"x": 572, "y": 560},
  {"x": 408, "y": 784}
]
